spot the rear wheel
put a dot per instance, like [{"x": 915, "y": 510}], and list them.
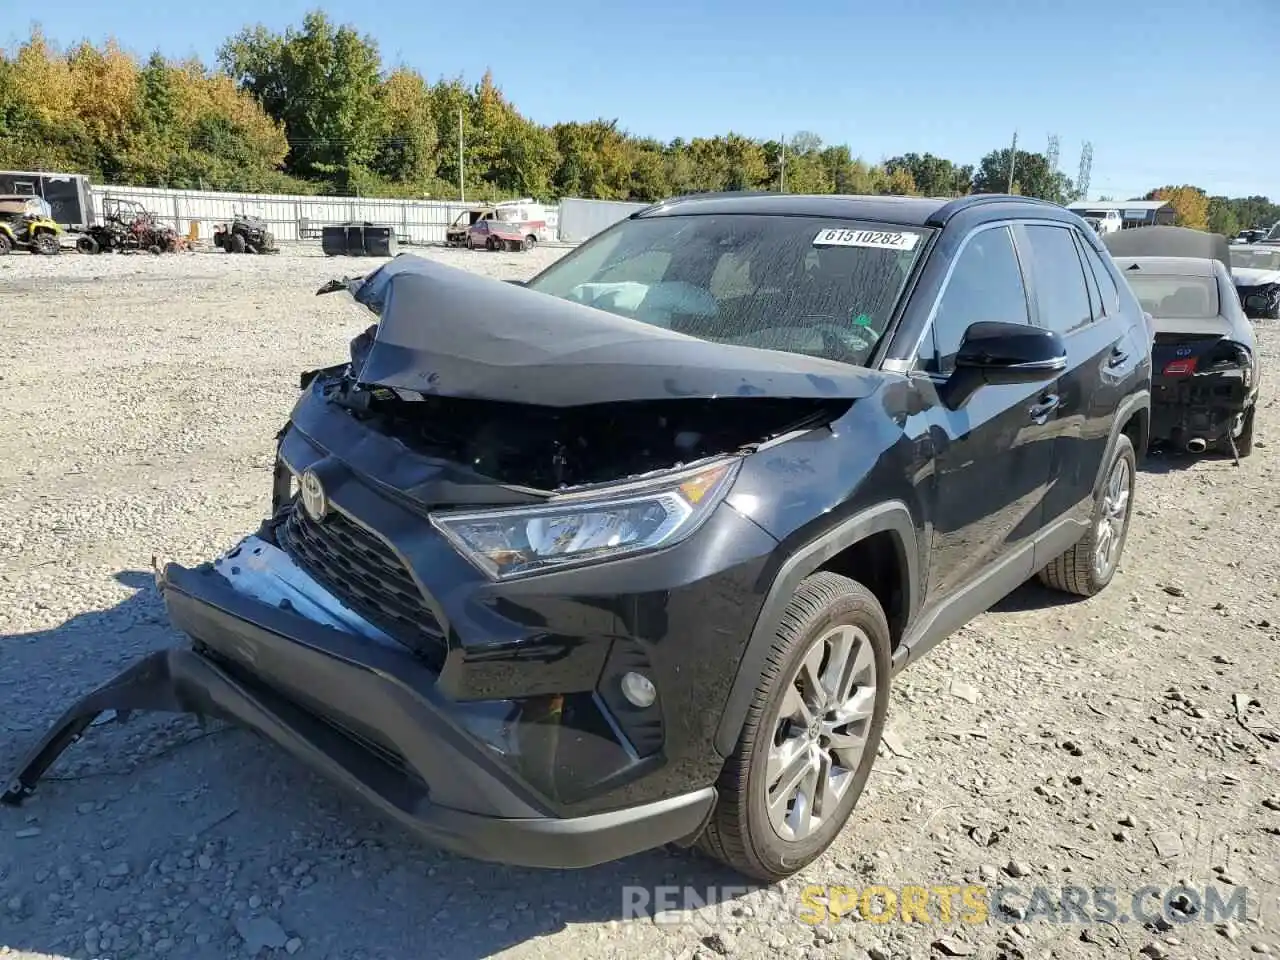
[
  {"x": 530, "y": 242},
  {"x": 154, "y": 250},
  {"x": 46, "y": 244},
  {"x": 811, "y": 732},
  {"x": 1088, "y": 567},
  {"x": 1244, "y": 439},
  {"x": 87, "y": 244},
  {"x": 5, "y": 244}
]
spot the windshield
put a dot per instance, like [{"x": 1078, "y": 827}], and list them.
[
  {"x": 1176, "y": 297},
  {"x": 1253, "y": 258},
  {"x": 809, "y": 285}
]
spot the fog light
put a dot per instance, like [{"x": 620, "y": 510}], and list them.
[{"x": 638, "y": 689}]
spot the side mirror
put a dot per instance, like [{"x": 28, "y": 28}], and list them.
[{"x": 998, "y": 353}]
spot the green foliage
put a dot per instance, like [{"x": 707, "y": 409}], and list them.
[
  {"x": 1032, "y": 176},
  {"x": 312, "y": 110}
]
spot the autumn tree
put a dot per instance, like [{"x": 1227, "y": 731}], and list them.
[
  {"x": 1190, "y": 205},
  {"x": 322, "y": 83},
  {"x": 933, "y": 176}
]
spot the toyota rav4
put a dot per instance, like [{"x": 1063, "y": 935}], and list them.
[{"x": 628, "y": 554}]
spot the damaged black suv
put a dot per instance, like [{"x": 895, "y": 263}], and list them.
[{"x": 628, "y": 554}]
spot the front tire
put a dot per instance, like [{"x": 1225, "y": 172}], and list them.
[
  {"x": 46, "y": 244},
  {"x": 236, "y": 244},
  {"x": 1088, "y": 567},
  {"x": 811, "y": 733},
  {"x": 87, "y": 245}
]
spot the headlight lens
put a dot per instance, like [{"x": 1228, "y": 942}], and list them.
[{"x": 577, "y": 529}]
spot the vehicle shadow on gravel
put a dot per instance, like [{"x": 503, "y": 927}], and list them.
[
  {"x": 212, "y": 829},
  {"x": 1033, "y": 595}
]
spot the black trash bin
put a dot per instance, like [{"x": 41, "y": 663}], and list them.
[{"x": 358, "y": 239}]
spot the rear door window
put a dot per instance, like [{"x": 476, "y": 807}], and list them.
[
  {"x": 1106, "y": 282},
  {"x": 1061, "y": 294}
]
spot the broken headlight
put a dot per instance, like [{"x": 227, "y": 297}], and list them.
[{"x": 602, "y": 524}]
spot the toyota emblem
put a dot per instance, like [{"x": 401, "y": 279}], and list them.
[{"x": 314, "y": 499}]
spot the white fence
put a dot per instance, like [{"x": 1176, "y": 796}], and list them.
[
  {"x": 292, "y": 218},
  {"x": 580, "y": 219}
]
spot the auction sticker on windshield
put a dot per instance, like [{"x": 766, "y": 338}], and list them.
[{"x": 838, "y": 237}]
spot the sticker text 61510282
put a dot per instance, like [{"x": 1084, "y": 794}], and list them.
[{"x": 887, "y": 239}]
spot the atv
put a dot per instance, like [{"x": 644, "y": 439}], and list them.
[
  {"x": 127, "y": 225},
  {"x": 25, "y": 224},
  {"x": 245, "y": 234}
]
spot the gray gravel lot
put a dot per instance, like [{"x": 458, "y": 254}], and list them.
[{"x": 1128, "y": 740}]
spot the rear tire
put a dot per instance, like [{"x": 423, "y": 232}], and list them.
[
  {"x": 1244, "y": 442},
  {"x": 5, "y": 244},
  {"x": 154, "y": 250},
  {"x": 787, "y": 739},
  {"x": 47, "y": 245},
  {"x": 530, "y": 242},
  {"x": 86, "y": 245},
  {"x": 1081, "y": 570}
]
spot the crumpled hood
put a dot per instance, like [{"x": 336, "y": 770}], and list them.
[
  {"x": 447, "y": 332},
  {"x": 1253, "y": 277}
]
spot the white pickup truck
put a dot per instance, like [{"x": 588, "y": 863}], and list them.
[{"x": 1102, "y": 221}]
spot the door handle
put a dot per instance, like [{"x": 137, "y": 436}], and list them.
[{"x": 1040, "y": 412}]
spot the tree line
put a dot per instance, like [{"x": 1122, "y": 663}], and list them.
[{"x": 313, "y": 109}]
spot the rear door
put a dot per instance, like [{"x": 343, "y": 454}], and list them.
[{"x": 1083, "y": 307}]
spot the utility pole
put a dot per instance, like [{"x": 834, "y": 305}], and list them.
[
  {"x": 1013, "y": 159},
  {"x": 462, "y": 177},
  {"x": 782, "y": 187}
]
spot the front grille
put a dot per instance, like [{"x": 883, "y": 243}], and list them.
[{"x": 365, "y": 574}]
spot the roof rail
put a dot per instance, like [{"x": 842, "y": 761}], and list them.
[
  {"x": 949, "y": 210},
  {"x": 681, "y": 198}
]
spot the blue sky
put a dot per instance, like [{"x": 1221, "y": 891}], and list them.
[{"x": 1164, "y": 90}]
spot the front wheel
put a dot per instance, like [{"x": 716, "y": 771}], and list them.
[
  {"x": 5, "y": 244},
  {"x": 530, "y": 242},
  {"x": 1088, "y": 567},
  {"x": 87, "y": 244},
  {"x": 47, "y": 244},
  {"x": 811, "y": 733}
]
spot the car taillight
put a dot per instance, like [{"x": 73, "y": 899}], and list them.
[{"x": 1180, "y": 368}]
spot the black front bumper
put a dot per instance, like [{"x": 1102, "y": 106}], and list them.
[{"x": 354, "y": 713}]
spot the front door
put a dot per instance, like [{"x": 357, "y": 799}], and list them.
[{"x": 992, "y": 455}]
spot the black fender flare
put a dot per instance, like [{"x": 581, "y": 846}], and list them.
[
  {"x": 1133, "y": 403},
  {"x": 891, "y": 516}
]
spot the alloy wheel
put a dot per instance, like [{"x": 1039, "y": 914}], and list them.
[
  {"x": 1115, "y": 516},
  {"x": 821, "y": 732}
]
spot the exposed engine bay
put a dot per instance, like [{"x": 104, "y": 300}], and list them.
[{"x": 552, "y": 448}]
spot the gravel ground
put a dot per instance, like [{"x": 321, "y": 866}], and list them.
[{"x": 1127, "y": 740}]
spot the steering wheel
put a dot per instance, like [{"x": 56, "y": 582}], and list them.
[{"x": 841, "y": 340}]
